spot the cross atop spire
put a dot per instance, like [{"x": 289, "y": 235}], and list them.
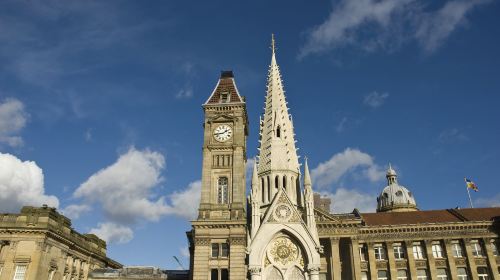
[{"x": 273, "y": 43}]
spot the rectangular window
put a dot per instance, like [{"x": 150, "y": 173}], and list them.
[
  {"x": 224, "y": 250},
  {"x": 402, "y": 274},
  {"x": 364, "y": 275},
  {"x": 382, "y": 275},
  {"x": 224, "y": 274},
  {"x": 418, "y": 252},
  {"x": 482, "y": 273},
  {"x": 477, "y": 251},
  {"x": 362, "y": 252},
  {"x": 421, "y": 274},
  {"x": 442, "y": 274},
  {"x": 20, "y": 272},
  {"x": 457, "y": 250},
  {"x": 214, "y": 274},
  {"x": 461, "y": 273},
  {"x": 215, "y": 250},
  {"x": 379, "y": 253},
  {"x": 437, "y": 251},
  {"x": 399, "y": 252}
]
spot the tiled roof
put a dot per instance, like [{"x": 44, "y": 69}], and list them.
[
  {"x": 226, "y": 84},
  {"x": 431, "y": 216}
]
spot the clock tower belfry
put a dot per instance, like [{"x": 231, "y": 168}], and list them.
[{"x": 218, "y": 235}]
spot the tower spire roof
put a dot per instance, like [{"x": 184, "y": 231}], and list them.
[
  {"x": 307, "y": 177},
  {"x": 277, "y": 139}
]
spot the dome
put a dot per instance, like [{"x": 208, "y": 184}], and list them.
[{"x": 394, "y": 197}]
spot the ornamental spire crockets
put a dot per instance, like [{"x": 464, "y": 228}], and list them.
[{"x": 277, "y": 139}]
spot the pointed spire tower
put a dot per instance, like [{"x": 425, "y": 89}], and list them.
[{"x": 278, "y": 161}]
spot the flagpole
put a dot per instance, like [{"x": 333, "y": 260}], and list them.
[{"x": 470, "y": 200}]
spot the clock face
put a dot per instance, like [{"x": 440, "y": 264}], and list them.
[{"x": 223, "y": 133}]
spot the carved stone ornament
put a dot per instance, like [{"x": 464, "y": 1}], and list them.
[
  {"x": 460, "y": 261},
  {"x": 481, "y": 261},
  {"x": 282, "y": 212},
  {"x": 401, "y": 264},
  {"x": 254, "y": 270},
  {"x": 364, "y": 265},
  {"x": 421, "y": 263},
  {"x": 313, "y": 269},
  {"x": 441, "y": 263},
  {"x": 381, "y": 265},
  {"x": 284, "y": 251},
  {"x": 202, "y": 241}
]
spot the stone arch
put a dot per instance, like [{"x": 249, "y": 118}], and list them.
[
  {"x": 273, "y": 273},
  {"x": 295, "y": 273},
  {"x": 295, "y": 232}
]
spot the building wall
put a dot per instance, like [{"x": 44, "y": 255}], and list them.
[{"x": 42, "y": 241}]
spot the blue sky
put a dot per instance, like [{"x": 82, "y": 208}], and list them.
[{"x": 100, "y": 104}]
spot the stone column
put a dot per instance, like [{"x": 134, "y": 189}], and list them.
[
  {"x": 431, "y": 262},
  {"x": 372, "y": 264},
  {"x": 313, "y": 272},
  {"x": 356, "y": 259},
  {"x": 471, "y": 260},
  {"x": 411, "y": 260},
  {"x": 392, "y": 262},
  {"x": 451, "y": 259},
  {"x": 335, "y": 265},
  {"x": 255, "y": 273},
  {"x": 491, "y": 259}
]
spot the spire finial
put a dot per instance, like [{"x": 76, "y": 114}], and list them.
[
  {"x": 273, "y": 43},
  {"x": 307, "y": 177}
]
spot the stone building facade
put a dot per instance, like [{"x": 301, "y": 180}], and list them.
[
  {"x": 39, "y": 243},
  {"x": 282, "y": 230}
]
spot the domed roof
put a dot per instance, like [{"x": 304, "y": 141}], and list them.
[{"x": 395, "y": 197}]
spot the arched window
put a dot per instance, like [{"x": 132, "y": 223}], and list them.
[
  {"x": 222, "y": 186},
  {"x": 276, "y": 182},
  {"x": 284, "y": 182}
]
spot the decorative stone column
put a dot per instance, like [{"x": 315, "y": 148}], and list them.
[
  {"x": 431, "y": 262},
  {"x": 491, "y": 259},
  {"x": 335, "y": 265},
  {"x": 389, "y": 247},
  {"x": 255, "y": 273},
  {"x": 471, "y": 260},
  {"x": 372, "y": 264},
  {"x": 313, "y": 272},
  {"x": 411, "y": 260},
  {"x": 451, "y": 259},
  {"x": 356, "y": 259}
]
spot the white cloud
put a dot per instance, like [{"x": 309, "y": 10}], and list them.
[
  {"x": 185, "y": 203},
  {"x": 185, "y": 252},
  {"x": 184, "y": 93},
  {"x": 13, "y": 118},
  {"x": 347, "y": 18},
  {"x": 329, "y": 172},
  {"x": 74, "y": 211},
  {"x": 373, "y": 24},
  {"x": 124, "y": 189},
  {"x": 341, "y": 125},
  {"x": 452, "y": 135},
  {"x": 375, "y": 99},
  {"x": 113, "y": 233},
  {"x": 22, "y": 183},
  {"x": 493, "y": 201},
  {"x": 435, "y": 28},
  {"x": 344, "y": 201}
]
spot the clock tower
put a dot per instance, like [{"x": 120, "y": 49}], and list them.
[{"x": 218, "y": 235}]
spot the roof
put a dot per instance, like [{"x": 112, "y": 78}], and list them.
[
  {"x": 225, "y": 84},
  {"x": 431, "y": 216}
]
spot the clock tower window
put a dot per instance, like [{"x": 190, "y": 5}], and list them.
[{"x": 222, "y": 188}]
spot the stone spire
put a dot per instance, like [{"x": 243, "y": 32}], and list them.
[
  {"x": 307, "y": 177},
  {"x": 255, "y": 202},
  {"x": 277, "y": 141}
]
